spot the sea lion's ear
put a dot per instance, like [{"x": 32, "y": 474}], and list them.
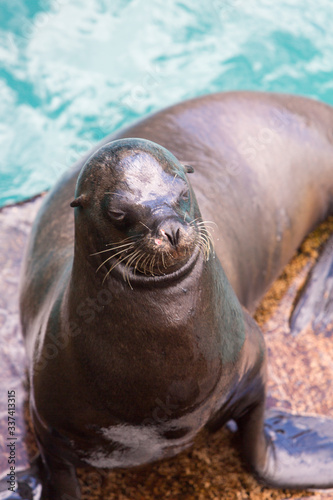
[
  {"x": 78, "y": 202},
  {"x": 188, "y": 169}
]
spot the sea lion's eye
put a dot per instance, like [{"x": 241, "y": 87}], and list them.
[{"x": 117, "y": 215}]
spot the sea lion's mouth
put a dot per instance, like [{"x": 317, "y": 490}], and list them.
[
  {"x": 136, "y": 277},
  {"x": 150, "y": 258},
  {"x": 159, "y": 257}
]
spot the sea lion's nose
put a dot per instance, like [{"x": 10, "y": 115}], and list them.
[{"x": 171, "y": 232}]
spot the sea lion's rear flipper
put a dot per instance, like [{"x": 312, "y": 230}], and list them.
[
  {"x": 301, "y": 450},
  {"x": 282, "y": 449},
  {"x": 314, "y": 308},
  {"x": 286, "y": 450}
]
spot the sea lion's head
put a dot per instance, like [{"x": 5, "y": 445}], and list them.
[{"x": 137, "y": 212}]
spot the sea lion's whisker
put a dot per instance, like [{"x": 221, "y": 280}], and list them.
[
  {"x": 139, "y": 253},
  {"x": 205, "y": 243},
  {"x": 201, "y": 244},
  {"x": 203, "y": 225},
  {"x": 203, "y": 222},
  {"x": 206, "y": 231},
  {"x": 158, "y": 267},
  {"x": 111, "y": 249},
  {"x": 109, "y": 258},
  {"x": 204, "y": 252},
  {"x": 119, "y": 261},
  {"x": 149, "y": 264},
  {"x": 123, "y": 241},
  {"x": 138, "y": 260},
  {"x": 168, "y": 254},
  {"x": 208, "y": 235},
  {"x": 105, "y": 262},
  {"x": 194, "y": 220},
  {"x": 205, "y": 238},
  {"x": 123, "y": 245},
  {"x": 144, "y": 225},
  {"x": 131, "y": 257},
  {"x": 144, "y": 263},
  {"x": 152, "y": 264}
]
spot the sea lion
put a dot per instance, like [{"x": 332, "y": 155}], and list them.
[{"x": 129, "y": 306}]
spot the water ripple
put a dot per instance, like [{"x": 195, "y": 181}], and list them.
[{"x": 70, "y": 73}]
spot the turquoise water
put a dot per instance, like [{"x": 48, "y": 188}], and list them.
[{"x": 73, "y": 71}]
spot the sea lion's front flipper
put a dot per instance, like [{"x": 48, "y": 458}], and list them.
[
  {"x": 314, "y": 308},
  {"x": 59, "y": 480},
  {"x": 27, "y": 485}
]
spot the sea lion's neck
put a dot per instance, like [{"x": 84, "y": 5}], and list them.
[
  {"x": 96, "y": 290},
  {"x": 169, "y": 340},
  {"x": 199, "y": 289}
]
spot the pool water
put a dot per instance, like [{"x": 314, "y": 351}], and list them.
[{"x": 72, "y": 71}]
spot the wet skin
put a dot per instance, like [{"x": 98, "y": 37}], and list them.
[{"x": 163, "y": 320}]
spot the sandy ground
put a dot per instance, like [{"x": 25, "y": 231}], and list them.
[{"x": 300, "y": 380}]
